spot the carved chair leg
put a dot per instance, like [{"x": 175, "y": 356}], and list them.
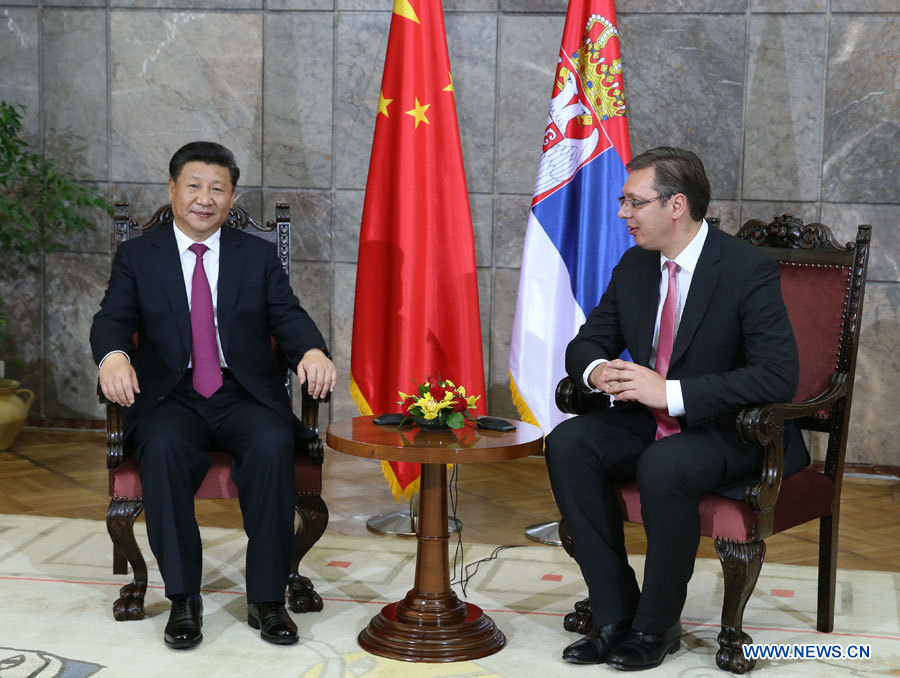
[
  {"x": 579, "y": 621},
  {"x": 313, "y": 513},
  {"x": 828, "y": 539},
  {"x": 120, "y": 524},
  {"x": 741, "y": 563}
]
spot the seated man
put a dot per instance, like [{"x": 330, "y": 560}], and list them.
[
  {"x": 702, "y": 315},
  {"x": 204, "y": 302}
]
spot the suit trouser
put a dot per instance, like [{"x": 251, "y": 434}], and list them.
[
  {"x": 586, "y": 457},
  {"x": 171, "y": 442}
]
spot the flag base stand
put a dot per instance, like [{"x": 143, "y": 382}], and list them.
[
  {"x": 544, "y": 533},
  {"x": 403, "y": 523}
]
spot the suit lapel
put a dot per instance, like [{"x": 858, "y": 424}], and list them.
[
  {"x": 231, "y": 268},
  {"x": 648, "y": 302},
  {"x": 703, "y": 286},
  {"x": 168, "y": 267}
]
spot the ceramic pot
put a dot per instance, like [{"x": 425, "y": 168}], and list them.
[
  {"x": 430, "y": 424},
  {"x": 13, "y": 410}
]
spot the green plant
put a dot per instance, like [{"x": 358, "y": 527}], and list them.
[{"x": 38, "y": 201}]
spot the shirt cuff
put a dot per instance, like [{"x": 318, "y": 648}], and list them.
[
  {"x": 587, "y": 373},
  {"x": 109, "y": 354},
  {"x": 674, "y": 399}
]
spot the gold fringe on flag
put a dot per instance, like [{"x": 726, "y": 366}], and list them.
[{"x": 400, "y": 494}]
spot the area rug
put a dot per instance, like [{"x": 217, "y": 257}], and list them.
[{"x": 57, "y": 589}]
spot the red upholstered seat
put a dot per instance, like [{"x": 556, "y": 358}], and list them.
[{"x": 823, "y": 284}]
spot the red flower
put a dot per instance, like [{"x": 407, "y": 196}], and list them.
[
  {"x": 459, "y": 404},
  {"x": 438, "y": 392},
  {"x": 433, "y": 382},
  {"x": 409, "y": 402}
]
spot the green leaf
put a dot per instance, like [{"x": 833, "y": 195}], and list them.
[{"x": 456, "y": 420}]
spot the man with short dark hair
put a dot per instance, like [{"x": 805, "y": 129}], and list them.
[
  {"x": 702, "y": 315},
  {"x": 205, "y": 302}
]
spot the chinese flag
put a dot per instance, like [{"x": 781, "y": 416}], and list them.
[{"x": 416, "y": 310}]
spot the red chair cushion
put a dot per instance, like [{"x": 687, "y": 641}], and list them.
[
  {"x": 125, "y": 482},
  {"x": 804, "y": 496}
]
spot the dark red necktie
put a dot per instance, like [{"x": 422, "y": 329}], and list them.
[
  {"x": 666, "y": 425},
  {"x": 205, "y": 354}
]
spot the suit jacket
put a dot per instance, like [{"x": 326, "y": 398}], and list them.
[
  {"x": 734, "y": 346},
  {"x": 146, "y": 294}
]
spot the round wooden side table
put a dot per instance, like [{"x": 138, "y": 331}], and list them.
[{"x": 431, "y": 624}]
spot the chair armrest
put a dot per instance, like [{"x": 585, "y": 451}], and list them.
[
  {"x": 573, "y": 399},
  {"x": 115, "y": 438},
  {"x": 309, "y": 415},
  {"x": 763, "y": 426}
]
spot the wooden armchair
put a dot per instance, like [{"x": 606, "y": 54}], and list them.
[
  {"x": 125, "y": 484},
  {"x": 823, "y": 284}
]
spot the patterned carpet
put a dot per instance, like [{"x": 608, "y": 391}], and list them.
[{"x": 57, "y": 589}]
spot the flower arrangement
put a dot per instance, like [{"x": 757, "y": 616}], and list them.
[{"x": 438, "y": 404}]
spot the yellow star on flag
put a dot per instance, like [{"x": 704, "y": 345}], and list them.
[
  {"x": 404, "y": 9},
  {"x": 419, "y": 113},
  {"x": 383, "y": 104},
  {"x": 449, "y": 88}
]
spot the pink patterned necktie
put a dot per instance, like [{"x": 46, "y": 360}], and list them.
[
  {"x": 666, "y": 425},
  {"x": 205, "y": 355}
]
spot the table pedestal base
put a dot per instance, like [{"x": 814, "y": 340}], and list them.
[{"x": 473, "y": 637}]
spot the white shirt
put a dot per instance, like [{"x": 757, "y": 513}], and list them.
[
  {"x": 210, "y": 266},
  {"x": 687, "y": 264}
]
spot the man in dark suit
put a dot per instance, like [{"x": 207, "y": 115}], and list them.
[
  {"x": 702, "y": 315},
  {"x": 205, "y": 302}
]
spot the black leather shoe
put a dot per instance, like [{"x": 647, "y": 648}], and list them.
[
  {"x": 593, "y": 648},
  {"x": 185, "y": 622},
  {"x": 639, "y": 650},
  {"x": 275, "y": 624}
]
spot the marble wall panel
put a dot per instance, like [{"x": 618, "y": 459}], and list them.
[
  {"x": 348, "y": 209},
  {"x": 485, "y": 294},
  {"x": 171, "y": 84},
  {"x": 534, "y": 5},
  {"x": 782, "y": 134},
  {"x": 97, "y": 237},
  {"x": 529, "y": 49},
  {"x": 74, "y": 286},
  {"x": 311, "y": 282},
  {"x": 684, "y": 78},
  {"x": 362, "y": 41},
  {"x": 344, "y": 292},
  {"x": 299, "y": 4},
  {"x": 873, "y": 419},
  {"x": 311, "y": 228},
  {"x": 864, "y": 6},
  {"x": 884, "y": 252},
  {"x": 510, "y": 223},
  {"x": 682, "y": 6},
  {"x": 448, "y": 5},
  {"x": 299, "y": 64},
  {"x": 784, "y": 6},
  {"x": 143, "y": 199},
  {"x": 472, "y": 46},
  {"x": 19, "y": 65},
  {"x": 728, "y": 214},
  {"x": 73, "y": 46},
  {"x": 73, "y": 3},
  {"x": 482, "y": 208},
  {"x": 503, "y": 311},
  {"x": 862, "y": 129},
  {"x": 189, "y": 4},
  {"x": 21, "y": 289}
]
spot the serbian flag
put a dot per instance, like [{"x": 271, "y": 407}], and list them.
[
  {"x": 574, "y": 238},
  {"x": 416, "y": 311}
]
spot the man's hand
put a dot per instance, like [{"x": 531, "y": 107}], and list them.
[
  {"x": 318, "y": 371},
  {"x": 118, "y": 379},
  {"x": 629, "y": 381}
]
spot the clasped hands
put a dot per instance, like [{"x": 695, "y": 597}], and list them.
[
  {"x": 119, "y": 381},
  {"x": 628, "y": 381}
]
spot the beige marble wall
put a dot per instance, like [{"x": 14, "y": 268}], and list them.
[{"x": 793, "y": 104}]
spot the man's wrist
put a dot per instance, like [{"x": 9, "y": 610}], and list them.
[{"x": 103, "y": 360}]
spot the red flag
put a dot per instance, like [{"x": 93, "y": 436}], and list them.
[{"x": 416, "y": 311}]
